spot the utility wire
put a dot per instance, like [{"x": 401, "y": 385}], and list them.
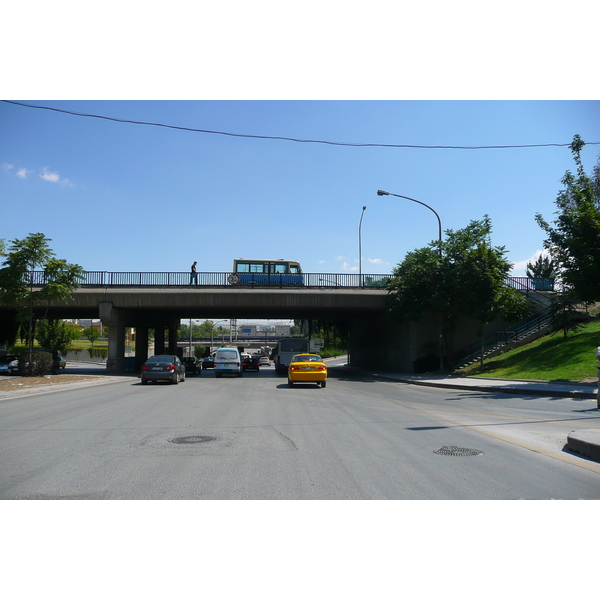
[{"x": 287, "y": 139}]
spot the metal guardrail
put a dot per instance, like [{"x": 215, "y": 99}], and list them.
[
  {"x": 212, "y": 280},
  {"x": 514, "y": 333},
  {"x": 227, "y": 279}
]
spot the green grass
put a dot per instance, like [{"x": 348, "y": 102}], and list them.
[{"x": 551, "y": 358}]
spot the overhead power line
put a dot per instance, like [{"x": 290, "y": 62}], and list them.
[{"x": 286, "y": 139}]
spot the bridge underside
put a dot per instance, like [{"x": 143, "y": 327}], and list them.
[
  {"x": 375, "y": 340},
  {"x": 225, "y": 303}
]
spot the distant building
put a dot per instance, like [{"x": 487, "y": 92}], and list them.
[{"x": 247, "y": 331}]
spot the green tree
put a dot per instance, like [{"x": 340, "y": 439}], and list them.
[
  {"x": 542, "y": 268},
  {"x": 574, "y": 237},
  {"x": 91, "y": 333},
  {"x": 56, "y": 334},
  {"x": 23, "y": 288},
  {"x": 565, "y": 314},
  {"x": 464, "y": 275}
]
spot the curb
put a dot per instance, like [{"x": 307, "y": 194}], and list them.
[
  {"x": 585, "y": 442},
  {"x": 591, "y": 395}
]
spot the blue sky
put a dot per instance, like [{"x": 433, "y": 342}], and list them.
[{"x": 123, "y": 197}]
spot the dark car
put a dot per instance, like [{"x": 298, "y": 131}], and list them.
[
  {"x": 163, "y": 367},
  {"x": 208, "y": 362},
  {"x": 251, "y": 363},
  {"x": 5, "y": 361},
  {"x": 192, "y": 364}
]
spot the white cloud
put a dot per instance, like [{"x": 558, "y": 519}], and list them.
[
  {"x": 22, "y": 173},
  {"x": 7, "y": 167},
  {"x": 48, "y": 176},
  {"x": 54, "y": 177},
  {"x": 376, "y": 261}
]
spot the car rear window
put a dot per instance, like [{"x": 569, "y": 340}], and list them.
[
  {"x": 228, "y": 354},
  {"x": 307, "y": 358}
]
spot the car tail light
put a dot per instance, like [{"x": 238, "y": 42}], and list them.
[
  {"x": 171, "y": 368},
  {"x": 322, "y": 368},
  {"x": 145, "y": 368}
]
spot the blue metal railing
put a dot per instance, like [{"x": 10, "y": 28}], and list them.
[{"x": 227, "y": 279}]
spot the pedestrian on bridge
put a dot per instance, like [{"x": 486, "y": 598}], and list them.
[{"x": 194, "y": 274}]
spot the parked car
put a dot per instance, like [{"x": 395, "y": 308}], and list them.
[
  {"x": 306, "y": 368},
  {"x": 250, "y": 363},
  {"x": 5, "y": 361},
  {"x": 62, "y": 363},
  {"x": 264, "y": 361},
  {"x": 163, "y": 367},
  {"x": 228, "y": 360},
  {"x": 208, "y": 362},
  {"x": 192, "y": 364}
]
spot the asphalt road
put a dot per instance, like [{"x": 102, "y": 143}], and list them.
[{"x": 255, "y": 438}]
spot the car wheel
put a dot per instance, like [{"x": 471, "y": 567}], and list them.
[
  {"x": 144, "y": 381},
  {"x": 323, "y": 384},
  {"x": 290, "y": 383},
  {"x": 175, "y": 381},
  {"x": 183, "y": 377}
]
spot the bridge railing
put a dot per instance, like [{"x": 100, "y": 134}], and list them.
[
  {"x": 225, "y": 279},
  {"x": 228, "y": 279}
]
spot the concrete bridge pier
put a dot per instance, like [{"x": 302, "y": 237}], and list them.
[
  {"x": 115, "y": 320},
  {"x": 159, "y": 338},
  {"x": 141, "y": 344},
  {"x": 382, "y": 343}
]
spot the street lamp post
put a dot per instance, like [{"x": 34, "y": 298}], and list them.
[
  {"x": 384, "y": 193},
  {"x": 360, "y": 244},
  {"x": 212, "y": 331}
]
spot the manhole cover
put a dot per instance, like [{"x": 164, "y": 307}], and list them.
[
  {"x": 456, "y": 451},
  {"x": 193, "y": 439}
]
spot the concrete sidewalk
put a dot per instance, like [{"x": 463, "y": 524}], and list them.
[{"x": 586, "y": 442}]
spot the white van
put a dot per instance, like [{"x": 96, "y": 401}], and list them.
[{"x": 228, "y": 360}]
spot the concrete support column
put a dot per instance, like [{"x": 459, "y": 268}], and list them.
[
  {"x": 114, "y": 318},
  {"x": 159, "y": 338},
  {"x": 385, "y": 344},
  {"x": 173, "y": 327},
  {"x": 141, "y": 345}
]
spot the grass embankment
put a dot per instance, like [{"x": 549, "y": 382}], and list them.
[{"x": 551, "y": 358}]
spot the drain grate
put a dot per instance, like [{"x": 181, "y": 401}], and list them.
[
  {"x": 456, "y": 451},
  {"x": 193, "y": 439}
]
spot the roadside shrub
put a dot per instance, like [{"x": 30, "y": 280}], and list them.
[
  {"x": 332, "y": 352},
  {"x": 35, "y": 364}
]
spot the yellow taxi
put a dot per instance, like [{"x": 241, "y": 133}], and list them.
[{"x": 307, "y": 368}]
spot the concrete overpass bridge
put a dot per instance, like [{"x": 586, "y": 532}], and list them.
[{"x": 159, "y": 301}]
